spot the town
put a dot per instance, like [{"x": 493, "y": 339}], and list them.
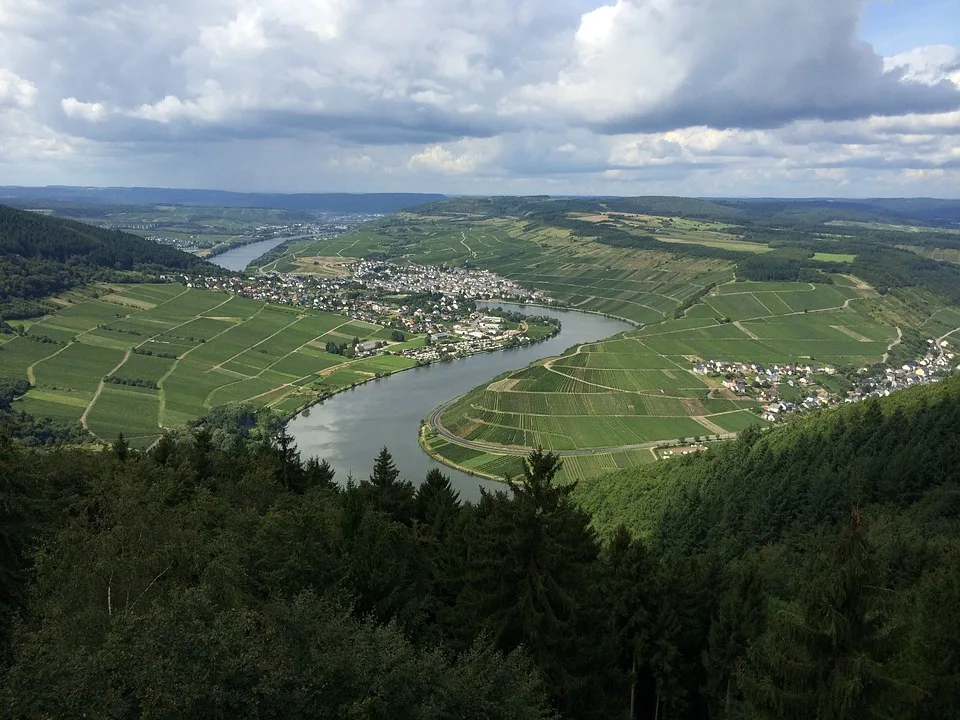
[
  {"x": 786, "y": 389},
  {"x": 437, "y": 302}
]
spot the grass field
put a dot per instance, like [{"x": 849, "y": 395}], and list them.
[
  {"x": 834, "y": 257},
  {"x": 200, "y": 348},
  {"x": 639, "y": 389}
]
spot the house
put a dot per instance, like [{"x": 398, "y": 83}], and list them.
[{"x": 368, "y": 346}]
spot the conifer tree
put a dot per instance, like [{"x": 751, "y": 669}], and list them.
[
  {"x": 392, "y": 495},
  {"x": 822, "y": 657},
  {"x": 531, "y": 582},
  {"x": 437, "y": 502},
  {"x": 121, "y": 448}
]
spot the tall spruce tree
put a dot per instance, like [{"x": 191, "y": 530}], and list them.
[
  {"x": 531, "y": 583},
  {"x": 392, "y": 495},
  {"x": 822, "y": 657}
]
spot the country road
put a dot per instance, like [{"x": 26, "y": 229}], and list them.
[{"x": 433, "y": 421}]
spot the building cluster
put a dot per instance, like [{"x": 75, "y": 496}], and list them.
[
  {"x": 388, "y": 277},
  {"x": 438, "y": 302},
  {"x": 767, "y": 384}
]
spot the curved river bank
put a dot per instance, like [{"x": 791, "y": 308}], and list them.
[{"x": 351, "y": 427}]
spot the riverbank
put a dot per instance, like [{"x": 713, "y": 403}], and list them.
[
  {"x": 349, "y": 427},
  {"x": 526, "y": 342},
  {"x": 569, "y": 308}
]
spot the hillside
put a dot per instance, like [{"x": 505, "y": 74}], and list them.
[
  {"x": 809, "y": 572},
  {"x": 138, "y": 358},
  {"x": 41, "y": 255},
  {"x": 368, "y": 203}
]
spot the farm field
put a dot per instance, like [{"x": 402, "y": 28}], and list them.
[
  {"x": 176, "y": 352},
  {"x": 628, "y": 393},
  {"x": 638, "y": 286}
]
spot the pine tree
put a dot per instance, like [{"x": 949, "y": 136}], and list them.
[
  {"x": 739, "y": 620},
  {"x": 822, "y": 657},
  {"x": 437, "y": 502},
  {"x": 531, "y": 582},
  {"x": 388, "y": 492},
  {"x": 385, "y": 472},
  {"x": 121, "y": 448}
]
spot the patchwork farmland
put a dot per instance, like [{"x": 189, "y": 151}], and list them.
[
  {"x": 174, "y": 353},
  {"x": 607, "y": 403}
]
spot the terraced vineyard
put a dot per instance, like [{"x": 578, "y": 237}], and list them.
[
  {"x": 606, "y": 403},
  {"x": 181, "y": 351},
  {"x": 641, "y": 286}
]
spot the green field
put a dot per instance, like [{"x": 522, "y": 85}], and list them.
[
  {"x": 834, "y": 257},
  {"x": 639, "y": 389},
  {"x": 200, "y": 348},
  {"x": 641, "y": 286}
]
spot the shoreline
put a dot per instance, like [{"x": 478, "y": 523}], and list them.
[
  {"x": 285, "y": 419},
  {"x": 570, "y": 308}
]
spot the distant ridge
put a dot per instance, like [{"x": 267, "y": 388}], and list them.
[{"x": 319, "y": 202}]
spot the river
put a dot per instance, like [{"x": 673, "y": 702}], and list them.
[
  {"x": 238, "y": 258},
  {"x": 349, "y": 429}
]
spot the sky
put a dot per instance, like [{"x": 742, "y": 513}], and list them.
[{"x": 734, "y": 98}]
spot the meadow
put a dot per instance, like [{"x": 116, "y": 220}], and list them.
[
  {"x": 190, "y": 349},
  {"x": 612, "y": 400}
]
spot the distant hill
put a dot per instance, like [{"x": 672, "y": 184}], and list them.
[
  {"x": 930, "y": 212},
  {"x": 41, "y": 255},
  {"x": 319, "y": 202}
]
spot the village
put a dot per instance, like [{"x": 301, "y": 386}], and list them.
[
  {"x": 786, "y": 389},
  {"x": 437, "y": 302}
]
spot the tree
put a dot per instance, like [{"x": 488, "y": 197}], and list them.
[
  {"x": 397, "y": 336},
  {"x": 437, "y": 503},
  {"x": 392, "y": 495},
  {"x": 530, "y": 582},
  {"x": 822, "y": 656},
  {"x": 739, "y": 621},
  {"x": 121, "y": 448}
]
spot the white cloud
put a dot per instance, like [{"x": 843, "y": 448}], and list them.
[
  {"x": 15, "y": 91},
  {"x": 930, "y": 64},
  {"x": 692, "y": 97},
  {"x": 92, "y": 112},
  {"x": 438, "y": 159}
]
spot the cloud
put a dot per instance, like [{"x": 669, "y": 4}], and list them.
[
  {"x": 645, "y": 65},
  {"x": 567, "y": 96},
  {"x": 468, "y": 156},
  {"x": 16, "y": 91},
  {"x": 92, "y": 112}
]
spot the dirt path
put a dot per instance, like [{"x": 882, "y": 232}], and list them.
[
  {"x": 945, "y": 336},
  {"x": 464, "y": 243},
  {"x": 711, "y": 426},
  {"x": 96, "y": 395},
  {"x": 746, "y": 332},
  {"x": 892, "y": 345}
]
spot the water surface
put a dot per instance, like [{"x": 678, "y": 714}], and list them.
[
  {"x": 350, "y": 428},
  {"x": 238, "y": 258}
]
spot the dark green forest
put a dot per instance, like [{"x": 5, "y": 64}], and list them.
[
  {"x": 811, "y": 571},
  {"x": 41, "y": 256}
]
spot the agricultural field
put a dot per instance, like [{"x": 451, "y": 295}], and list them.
[
  {"x": 622, "y": 396},
  {"x": 176, "y": 352},
  {"x": 641, "y": 286}
]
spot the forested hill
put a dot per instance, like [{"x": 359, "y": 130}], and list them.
[
  {"x": 808, "y": 572},
  {"x": 41, "y": 255}
]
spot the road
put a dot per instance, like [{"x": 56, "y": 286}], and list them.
[{"x": 433, "y": 421}]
